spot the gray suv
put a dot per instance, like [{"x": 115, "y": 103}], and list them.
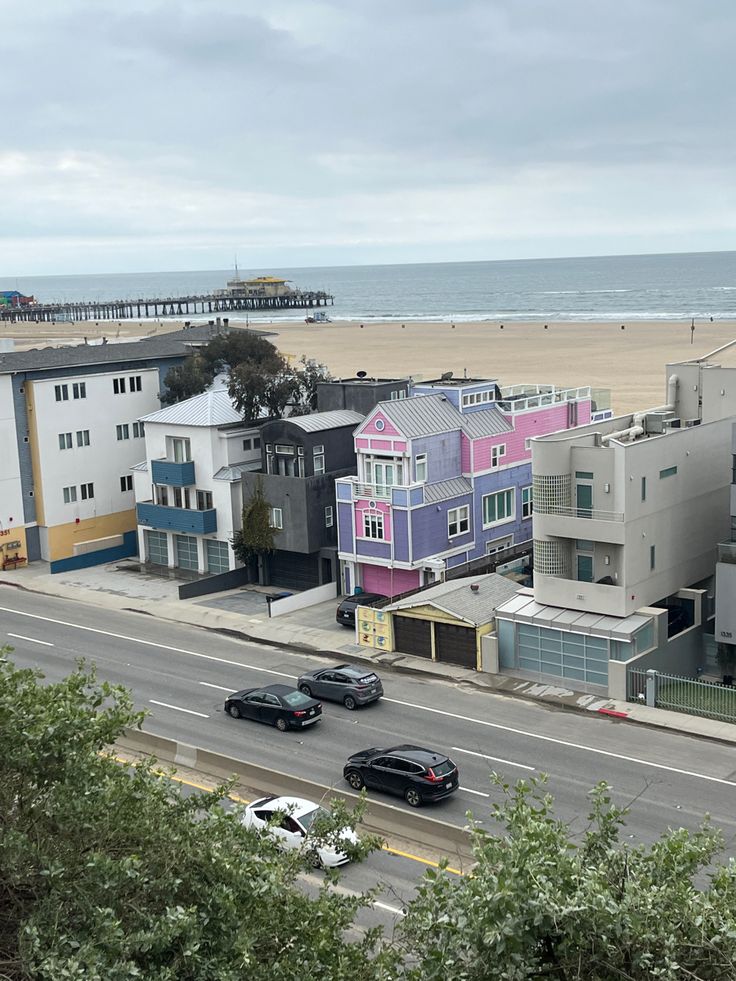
[{"x": 347, "y": 683}]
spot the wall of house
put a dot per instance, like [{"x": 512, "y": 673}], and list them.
[
  {"x": 443, "y": 456},
  {"x": 361, "y": 397},
  {"x": 490, "y": 483},
  {"x": 338, "y": 444},
  {"x": 430, "y": 528},
  {"x": 11, "y": 488}
]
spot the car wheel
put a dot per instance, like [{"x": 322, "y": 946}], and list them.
[
  {"x": 355, "y": 780},
  {"x": 412, "y": 797},
  {"x": 349, "y": 702},
  {"x": 314, "y": 860},
  {"x": 233, "y": 711},
  {"x": 281, "y": 724},
  {"x": 305, "y": 690}
]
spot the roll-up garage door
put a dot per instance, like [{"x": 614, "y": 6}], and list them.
[
  {"x": 455, "y": 644},
  {"x": 413, "y": 636},
  {"x": 294, "y": 570}
]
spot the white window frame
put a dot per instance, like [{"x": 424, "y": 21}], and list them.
[
  {"x": 126, "y": 483},
  {"x": 83, "y": 437},
  {"x": 420, "y": 461},
  {"x": 70, "y": 495},
  {"x": 285, "y": 449},
  {"x": 61, "y": 393},
  {"x": 276, "y": 518},
  {"x": 498, "y": 452},
  {"x": 373, "y": 526},
  {"x": 499, "y": 544},
  {"x": 65, "y": 441},
  {"x": 123, "y": 431},
  {"x": 496, "y": 494},
  {"x": 204, "y": 497},
  {"x": 527, "y": 506},
  {"x": 182, "y": 443},
  {"x": 459, "y": 520},
  {"x": 135, "y": 383},
  {"x": 318, "y": 460},
  {"x": 118, "y": 386},
  {"x": 79, "y": 390},
  {"x": 329, "y": 516},
  {"x": 139, "y": 430},
  {"x": 87, "y": 492}
]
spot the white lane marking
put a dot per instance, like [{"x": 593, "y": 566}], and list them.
[
  {"x": 393, "y": 701},
  {"x": 208, "y": 684},
  {"x": 31, "y": 639},
  {"x": 177, "y": 708},
  {"x": 564, "y": 742},
  {"x": 478, "y": 793},
  {"x": 494, "y": 759},
  {"x": 389, "y": 909}
]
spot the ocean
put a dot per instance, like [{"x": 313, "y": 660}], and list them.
[{"x": 637, "y": 287}]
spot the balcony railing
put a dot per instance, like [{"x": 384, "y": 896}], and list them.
[
  {"x": 593, "y": 514},
  {"x": 182, "y": 520},
  {"x": 173, "y": 474},
  {"x": 518, "y": 398}
]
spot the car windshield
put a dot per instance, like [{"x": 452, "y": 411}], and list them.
[
  {"x": 318, "y": 814},
  {"x": 440, "y": 769},
  {"x": 296, "y": 698}
]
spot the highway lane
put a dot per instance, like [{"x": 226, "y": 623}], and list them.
[{"x": 182, "y": 675}]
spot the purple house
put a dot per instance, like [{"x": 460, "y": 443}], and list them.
[{"x": 444, "y": 477}]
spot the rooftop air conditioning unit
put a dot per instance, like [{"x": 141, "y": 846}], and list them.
[
  {"x": 655, "y": 422},
  {"x": 673, "y": 424},
  {"x": 692, "y": 422}
]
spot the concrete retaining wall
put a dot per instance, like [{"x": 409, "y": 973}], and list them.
[{"x": 300, "y": 601}]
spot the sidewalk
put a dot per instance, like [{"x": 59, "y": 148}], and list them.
[{"x": 112, "y": 587}]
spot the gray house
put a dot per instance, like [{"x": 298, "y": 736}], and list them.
[
  {"x": 301, "y": 457},
  {"x": 360, "y": 394}
]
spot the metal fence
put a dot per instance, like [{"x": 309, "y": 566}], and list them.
[{"x": 693, "y": 696}]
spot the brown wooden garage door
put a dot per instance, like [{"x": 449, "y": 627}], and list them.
[
  {"x": 413, "y": 636},
  {"x": 455, "y": 644}
]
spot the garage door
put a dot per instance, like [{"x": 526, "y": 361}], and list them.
[
  {"x": 413, "y": 636},
  {"x": 455, "y": 644},
  {"x": 294, "y": 570}
]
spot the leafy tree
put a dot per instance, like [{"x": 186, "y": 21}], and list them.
[
  {"x": 108, "y": 874},
  {"x": 308, "y": 377},
  {"x": 539, "y": 904},
  {"x": 191, "y": 377},
  {"x": 256, "y": 538}
]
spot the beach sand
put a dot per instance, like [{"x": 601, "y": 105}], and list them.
[{"x": 629, "y": 362}]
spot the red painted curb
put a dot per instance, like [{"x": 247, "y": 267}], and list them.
[{"x": 614, "y": 712}]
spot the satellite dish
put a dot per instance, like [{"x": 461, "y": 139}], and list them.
[
  {"x": 446, "y": 376},
  {"x": 361, "y": 374}
]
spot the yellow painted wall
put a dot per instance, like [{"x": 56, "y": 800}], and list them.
[
  {"x": 35, "y": 459},
  {"x": 63, "y": 538},
  {"x": 13, "y": 535}
]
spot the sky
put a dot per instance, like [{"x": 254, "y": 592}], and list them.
[{"x": 145, "y": 135}]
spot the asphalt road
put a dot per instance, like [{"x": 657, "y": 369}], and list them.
[{"x": 182, "y": 674}]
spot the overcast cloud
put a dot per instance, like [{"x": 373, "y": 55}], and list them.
[{"x": 141, "y": 135}]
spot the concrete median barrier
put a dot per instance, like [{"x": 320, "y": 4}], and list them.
[{"x": 379, "y": 818}]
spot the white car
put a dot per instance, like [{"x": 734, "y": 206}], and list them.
[{"x": 293, "y": 829}]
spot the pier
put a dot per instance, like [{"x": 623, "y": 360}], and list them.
[{"x": 168, "y": 307}]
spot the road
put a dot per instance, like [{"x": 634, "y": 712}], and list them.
[{"x": 181, "y": 675}]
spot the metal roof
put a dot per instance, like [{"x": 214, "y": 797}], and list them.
[
  {"x": 326, "y": 420},
  {"x": 443, "y": 490},
  {"x": 140, "y": 467},
  {"x": 525, "y": 609},
  {"x": 46, "y": 358},
  {"x": 236, "y": 470},
  {"x": 427, "y": 415},
  {"x": 208, "y": 409},
  {"x": 459, "y": 599},
  {"x": 485, "y": 422}
]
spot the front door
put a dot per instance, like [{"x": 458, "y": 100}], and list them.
[
  {"x": 584, "y": 500},
  {"x": 585, "y": 568}
]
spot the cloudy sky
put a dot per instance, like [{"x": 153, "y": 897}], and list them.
[{"x": 145, "y": 135}]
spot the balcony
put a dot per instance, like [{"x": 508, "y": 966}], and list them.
[
  {"x": 572, "y": 522},
  {"x": 182, "y": 520},
  {"x": 173, "y": 474}
]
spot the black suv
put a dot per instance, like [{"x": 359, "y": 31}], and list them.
[
  {"x": 346, "y": 610},
  {"x": 414, "y": 773}
]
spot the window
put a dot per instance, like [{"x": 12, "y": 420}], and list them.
[
  {"x": 643, "y": 488},
  {"x": 384, "y": 473},
  {"x": 497, "y": 454},
  {"x": 88, "y": 491},
  {"x": 162, "y": 495},
  {"x": 667, "y": 472},
  {"x": 284, "y": 448},
  {"x": 83, "y": 437},
  {"x": 528, "y": 443},
  {"x": 70, "y": 495},
  {"x": 65, "y": 441},
  {"x": 420, "y": 468},
  {"x": 499, "y": 544},
  {"x": 256, "y": 442},
  {"x": 62, "y": 393},
  {"x": 118, "y": 386},
  {"x": 123, "y": 432},
  {"x": 394, "y": 395},
  {"x": 79, "y": 390},
  {"x": 180, "y": 449},
  {"x": 478, "y": 398},
  {"x": 204, "y": 500},
  {"x": 526, "y": 502},
  {"x": 300, "y": 451},
  {"x": 498, "y": 507},
  {"x": 458, "y": 521},
  {"x": 178, "y": 497},
  {"x": 318, "y": 453},
  {"x": 373, "y": 524},
  {"x": 247, "y": 444},
  {"x": 652, "y": 557},
  {"x": 135, "y": 383},
  {"x": 139, "y": 430},
  {"x": 329, "y": 516},
  {"x": 583, "y": 475},
  {"x": 126, "y": 483},
  {"x": 269, "y": 447},
  {"x": 276, "y": 518}
]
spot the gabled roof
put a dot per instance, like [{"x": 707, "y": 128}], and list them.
[
  {"x": 317, "y": 421},
  {"x": 428, "y": 415},
  {"x": 208, "y": 409},
  {"x": 443, "y": 490},
  {"x": 236, "y": 470},
  {"x": 485, "y": 422},
  {"x": 459, "y": 600}
]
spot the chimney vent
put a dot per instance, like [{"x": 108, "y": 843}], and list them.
[{"x": 474, "y": 586}]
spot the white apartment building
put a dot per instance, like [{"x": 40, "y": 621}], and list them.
[{"x": 188, "y": 490}]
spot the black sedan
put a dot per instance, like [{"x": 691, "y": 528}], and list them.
[
  {"x": 347, "y": 683},
  {"x": 412, "y": 772},
  {"x": 277, "y": 705}
]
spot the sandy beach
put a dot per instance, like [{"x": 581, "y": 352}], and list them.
[{"x": 629, "y": 362}]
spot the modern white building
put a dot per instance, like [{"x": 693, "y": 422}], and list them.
[
  {"x": 627, "y": 516},
  {"x": 188, "y": 490}
]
